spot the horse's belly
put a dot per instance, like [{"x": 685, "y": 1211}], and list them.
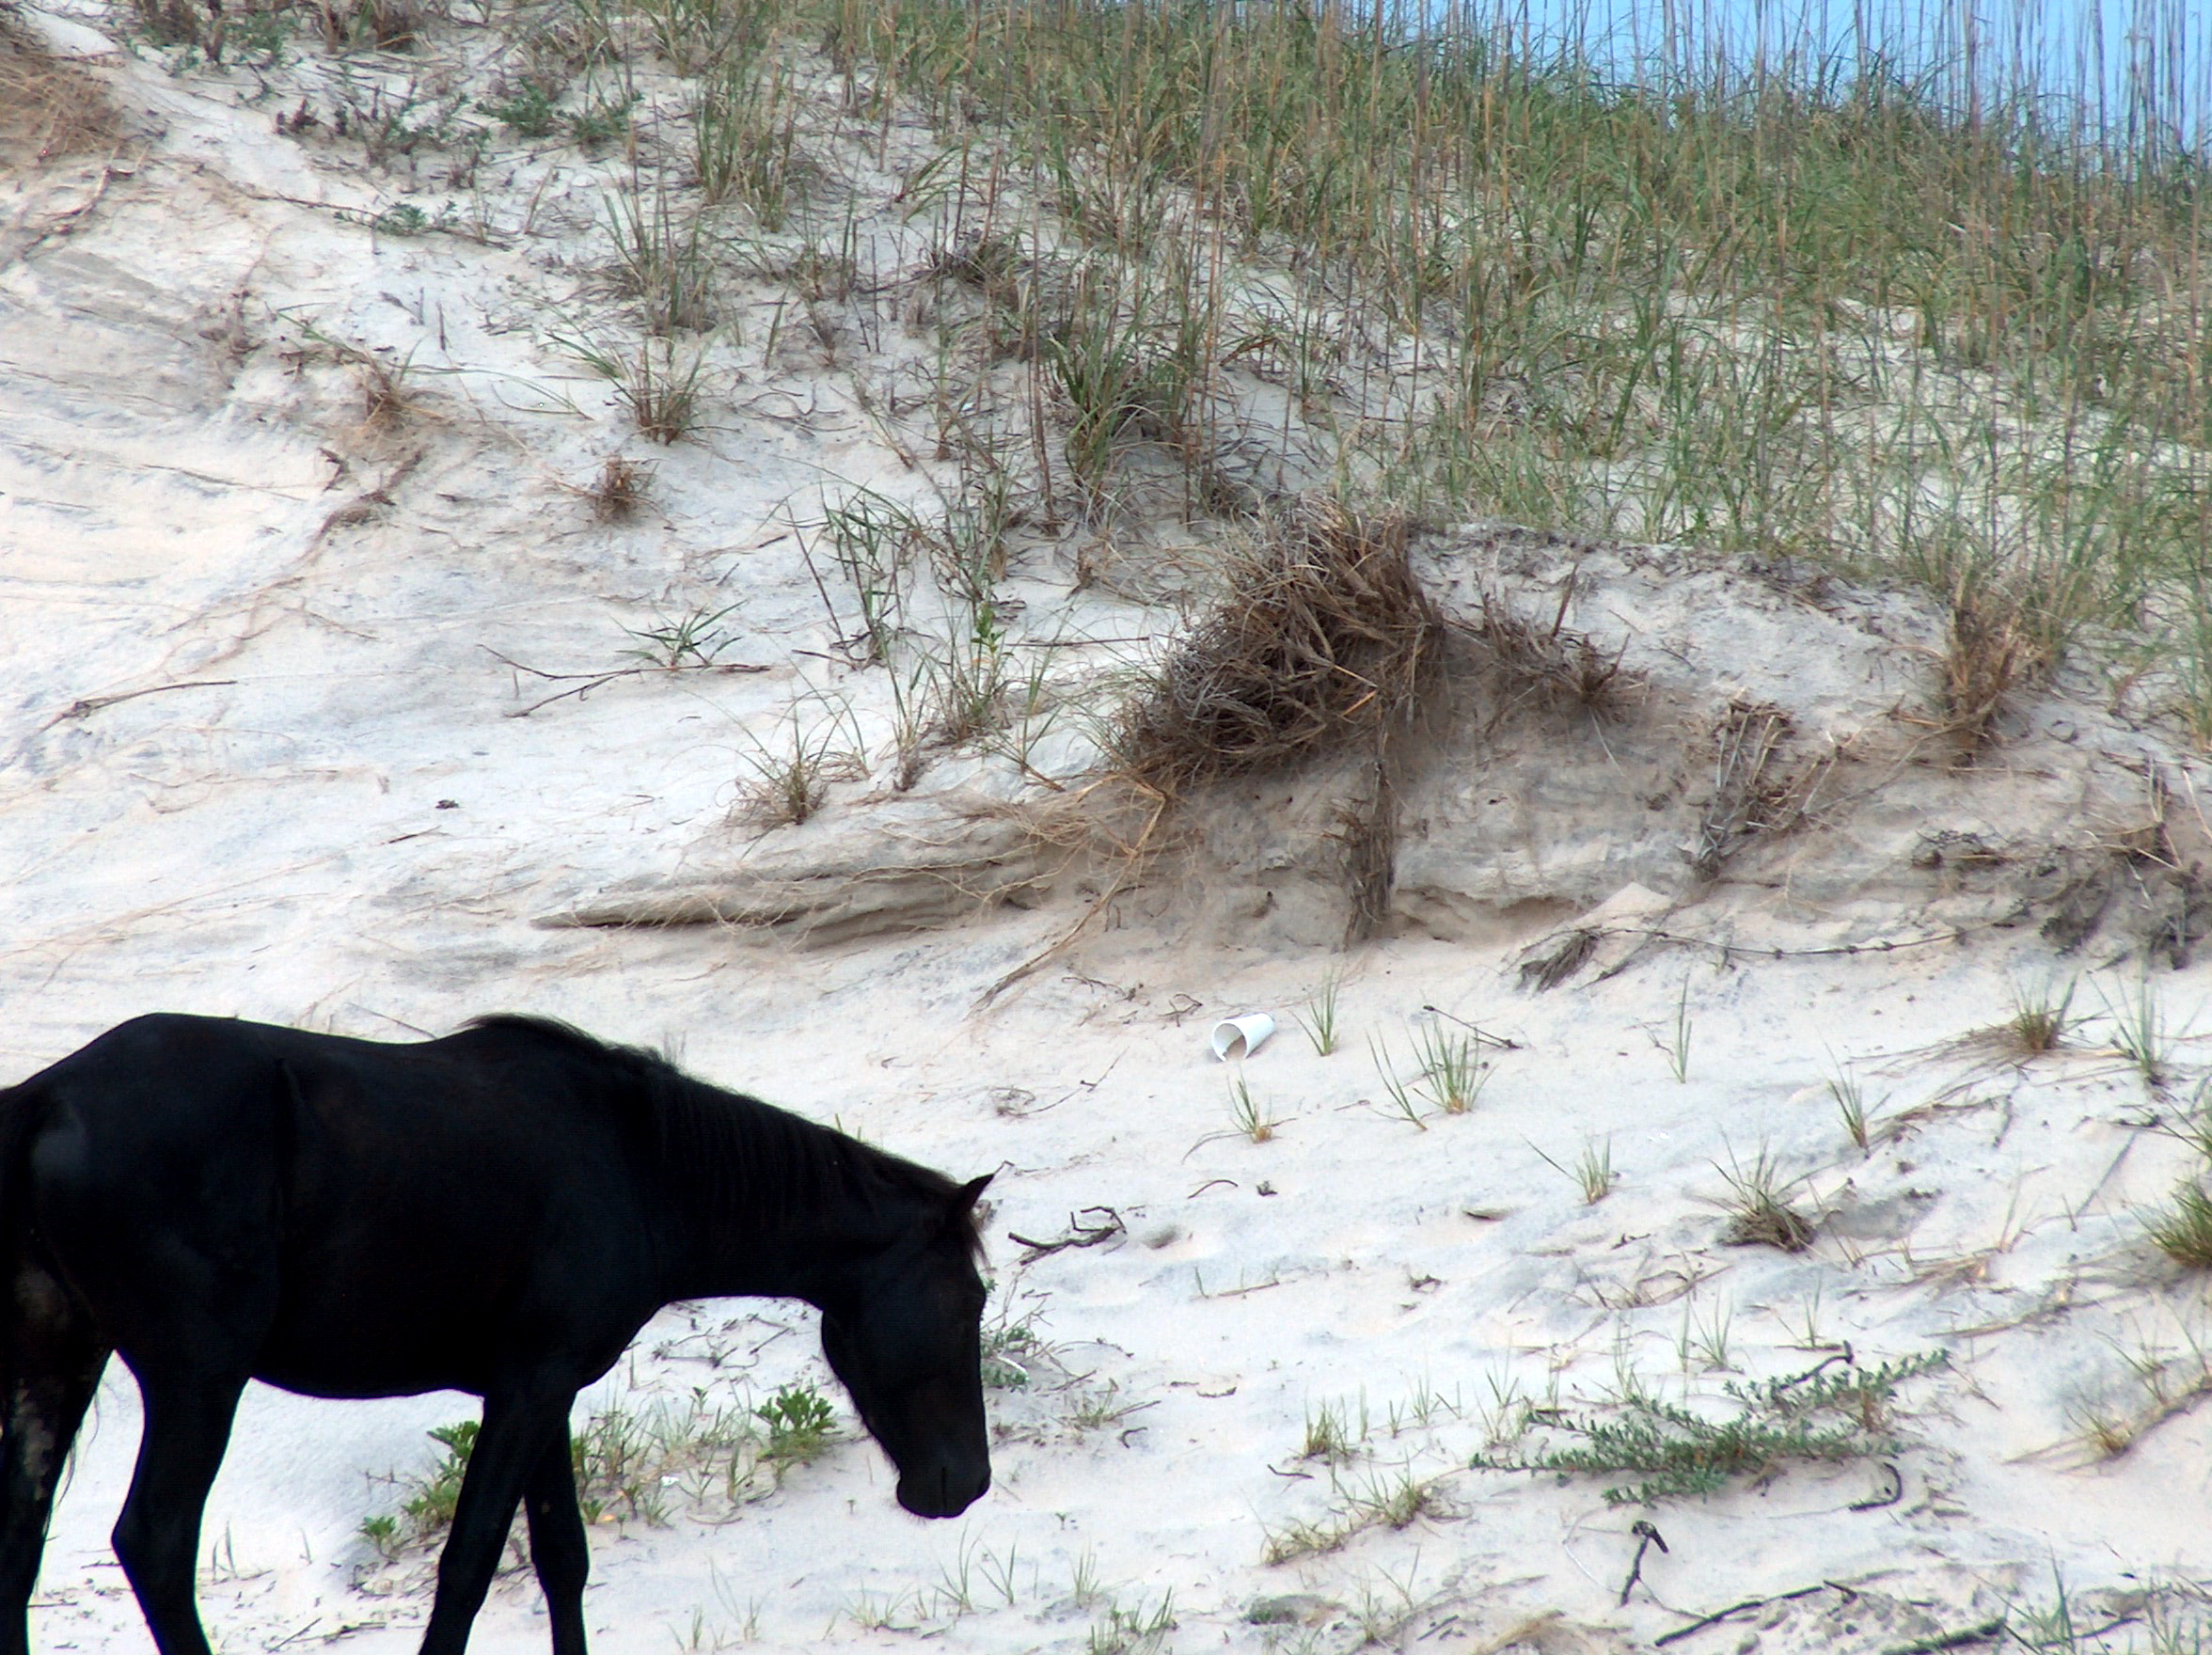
[{"x": 366, "y": 1360}]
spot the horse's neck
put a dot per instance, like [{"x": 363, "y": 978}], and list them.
[
  {"x": 793, "y": 1231},
  {"x": 812, "y": 1261}
]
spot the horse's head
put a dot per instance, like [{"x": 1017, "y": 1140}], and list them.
[{"x": 906, "y": 1337}]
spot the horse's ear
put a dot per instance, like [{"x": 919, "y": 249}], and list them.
[{"x": 969, "y": 1191}]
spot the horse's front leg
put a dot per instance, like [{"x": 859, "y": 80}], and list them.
[
  {"x": 188, "y": 1415},
  {"x": 518, "y": 1426},
  {"x": 559, "y": 1550}
]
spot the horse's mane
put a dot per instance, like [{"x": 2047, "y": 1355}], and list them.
[{"x": 754, "y": 1166}]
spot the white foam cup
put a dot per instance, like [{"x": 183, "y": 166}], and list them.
[{"x": 1238, "y": 1037}]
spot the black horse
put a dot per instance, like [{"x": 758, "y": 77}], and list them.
[{"x": 496, "y": 1212}]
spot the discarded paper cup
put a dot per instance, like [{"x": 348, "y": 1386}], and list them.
[{"x": 1238, "y": 1037}]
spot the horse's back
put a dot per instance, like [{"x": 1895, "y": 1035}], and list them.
[{"x": 370, "y": 1217}]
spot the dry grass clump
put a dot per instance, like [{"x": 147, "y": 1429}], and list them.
[
  {"x": 385, "y": 26},
  {"x": 1322, "y": 632},
  {"x": 48, "y": 107},
  {"x": 1552, "y": 666},
  {"x": 1758, "y": 1206},
  {"x": 386, "y": 402},
  {"x": 1991, "y": 651},
  {"x": 621, "y": 484}
]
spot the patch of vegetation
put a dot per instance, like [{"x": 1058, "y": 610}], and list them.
[
  {"x": 743, "y": 133},
  {"x": 1402, "y": 1102},
  {"x": 621, "y": 484},
  {"x": 660, "y": 383},
  {"x": 430, "y": 1509},
  {"x": 642, "y": 1463},
  {"x": 664, "y": 261},
  {"x": 1852, "y": 1108},
  {"x": 1003, "y": 1352},
  {"x": 1142, "y": 1631},
  {"x": 1758, "y": 1208},
  {"x": 1678, "y": 1038},
  {"x": 1450, "y": 1071},
  {"x": 49, "y": 106},
  {"x": 1321, "y": 633},
  {"x": 1991, "y": 650},
  {"x": 526, "y": 111},
  {"x": 1318, "y": 1018},
  {"x": 1593, "y": 1172},
  {"x": 1253, "y": 1121},
  {"x": 1937, "y": 322},
  {"x": 427, "y": 1511},
  {"x": 601, "y": 122},
  {"x": 1329, "y": 1435},
  {"x": 2139, "y": 1030},
  {"x": 405, "y": 219},
  {"x": 2041, "y": 1017},
  {"x": 800, "y": 1426},
  {"x": 2182, "y": 1229},
  {"x": 1395, "y": 1502},
  {"x": 694, "y": 638},
  {"x": 1837, "y": 1411},
  {"x": 790, "y": 780}
]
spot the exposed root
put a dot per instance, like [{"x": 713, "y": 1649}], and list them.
[
  {"x": 1366, "y": 832},
  {"x": 848, "y": 887},
  {"x": 1747, "y": 737}
]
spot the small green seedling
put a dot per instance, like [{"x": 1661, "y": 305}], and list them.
[
  {"x": 1678, "y": 1046},
  {"x": 799, "y": 1420},
  {"x": 1451, "y": 1071},
  {"x": 2139, "y": 1030},
  {"x": 1252, "y": 1122},
  {"x": 694, "y": 638},
  {"x": 1593, "y": 1173},
  {"x": 1402, "y": 1097},
  {"x": 1318, "y": 1019},
  {"x": 1851, "y": 1106}
]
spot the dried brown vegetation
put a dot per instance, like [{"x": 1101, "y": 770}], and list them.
[
  {"x": 385, "y": 25},
  {"x": 1551, "y": 667},
  {"x": 48, "y": 106},
  {"x": 385, "y": 402},
  {"x": 1760, "y": 1210},
  {"x": 1990, "y": 652},
  {"x": 1321, "y": 633},
  {"x": 621, "y": 484}
]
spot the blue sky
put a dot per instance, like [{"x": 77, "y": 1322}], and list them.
[{"x": 2121, "y": 57}]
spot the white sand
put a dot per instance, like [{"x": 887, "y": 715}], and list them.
[{"x": 237, "y": 706}]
